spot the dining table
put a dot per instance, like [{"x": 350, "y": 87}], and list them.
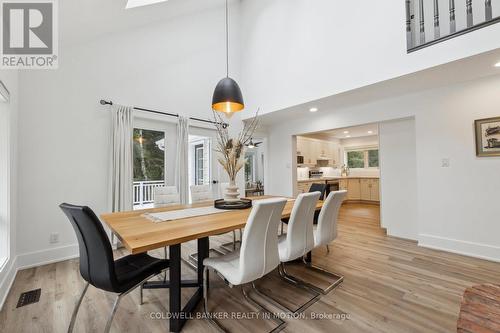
[{"x": 139, "y": 233}]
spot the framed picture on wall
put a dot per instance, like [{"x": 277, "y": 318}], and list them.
[{"x": 488, "y": 137}]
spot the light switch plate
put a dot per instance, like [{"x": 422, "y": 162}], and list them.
[{"x": 445, "y": 163}]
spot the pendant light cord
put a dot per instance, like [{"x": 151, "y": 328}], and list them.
[{"x": 227, "y": 40}]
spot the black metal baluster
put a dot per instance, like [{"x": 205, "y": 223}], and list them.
[
  {"x": 409, "y": 37},
  {"x": 437, "y": 32},
  {"x": 453, "y": 22},
  {"x": 422, "y": 21},
  {"x": 470, "y": 19},
  {"x": 488, "y": 13}
]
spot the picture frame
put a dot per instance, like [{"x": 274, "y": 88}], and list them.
[{"x": 487, "y": 137}]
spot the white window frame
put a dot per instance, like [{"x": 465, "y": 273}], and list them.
[
  {"x": 365, "y": 151},
  {"x": 5, "y": 177}
]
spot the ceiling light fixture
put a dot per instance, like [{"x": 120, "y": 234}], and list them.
[
  {"x": 227, "y": 96},
  {"x": 140, "y": 3},
  {"x": 346, "y": 132},
  {"x": 497, "y": 64},
  {"x": 347, "y": 136},
  {"x": 370, "y": 132},
  {"x": 313, "y": 110}
]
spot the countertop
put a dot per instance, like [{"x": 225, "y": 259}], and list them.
[{"x": 322, "y": 179}]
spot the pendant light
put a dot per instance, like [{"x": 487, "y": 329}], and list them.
[{"x": 227, "y": 96}]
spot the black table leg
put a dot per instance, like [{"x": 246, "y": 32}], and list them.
[
  {"x": 203, "y": 252},
  {"x": 178, "y": 317},
  {"x": 175, "y": 288}
]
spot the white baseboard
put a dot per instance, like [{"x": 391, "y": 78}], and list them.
[
  {"x": 470, "y": 249},
  {"x": 48, "y": 256},
  {"x": 32, "y": 259},
  {"x": 7, "y": 278}
]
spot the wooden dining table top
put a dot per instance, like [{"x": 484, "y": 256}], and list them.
[{"x": 139, "y": 234}]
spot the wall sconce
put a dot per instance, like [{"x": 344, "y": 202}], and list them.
[{"x": 4, "y": 93}]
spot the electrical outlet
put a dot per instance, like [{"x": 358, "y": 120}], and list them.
[
  {"x": 445, "y": 163},
  {"x": 54, "y": 238}
]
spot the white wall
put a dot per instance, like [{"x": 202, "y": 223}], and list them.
[
  {"x": 398, "y": 178},
  {"x": 456, "y": 207},
  {"x": 8, "y": 180},
  {"x": 63, "y": 141},
  {"x": 299, "y": 51}
]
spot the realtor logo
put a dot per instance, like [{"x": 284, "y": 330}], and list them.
[{"x": 29, "y": 34}]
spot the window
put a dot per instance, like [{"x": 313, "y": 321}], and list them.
[
  {"x": 373, "y": 158},
  {"x": 199, "y": 160},
  {"x": 199, "y": 164},
  {"x": 148, "y": 164},
  {"x": 249, "y": 167},
  {"x": 362, "y": 158},
  {"x": 355, "y": 159}
]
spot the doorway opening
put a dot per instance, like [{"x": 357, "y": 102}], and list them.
[{"x": 343, "y": 159}]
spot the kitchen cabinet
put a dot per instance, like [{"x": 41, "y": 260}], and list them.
[
  {"x": 375, "y": 190},
  {"x": 370, "y": 189},
  {"x": 353, "y": 189},
  {"x": 303, "y": 187},
  {"x": 312, "y": 149}
]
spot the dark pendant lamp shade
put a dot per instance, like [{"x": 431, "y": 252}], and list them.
[{"x": 227, "y": 97}]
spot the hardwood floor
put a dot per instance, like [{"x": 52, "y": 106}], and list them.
[{"x": 390, "y": 285}]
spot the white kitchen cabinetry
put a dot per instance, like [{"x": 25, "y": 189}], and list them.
[
  {"x": 361, "y": 189},
  {"x": 313, "y": 149}
]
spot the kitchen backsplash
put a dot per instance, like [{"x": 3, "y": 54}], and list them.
[{"x": 303, "y": 172}]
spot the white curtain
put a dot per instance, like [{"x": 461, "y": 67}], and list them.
[
  {"x": 121, "y": 164},
  {"x": 181, "y": 171}
]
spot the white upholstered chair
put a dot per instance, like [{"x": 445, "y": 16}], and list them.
[
  {"x": 296, "y": 243},
  {"x": 326, "y": 232},
  {"x": 200, "y": 193},
  {"x": 257, "y": 256},
  {"x": 166, "y": 196}
]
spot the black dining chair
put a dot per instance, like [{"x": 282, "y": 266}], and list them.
[{"x": 97, "y": 266}]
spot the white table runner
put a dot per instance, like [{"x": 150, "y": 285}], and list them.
[
  {"x": 189, "y": 212},
  {"x": 183, "y": 214}
]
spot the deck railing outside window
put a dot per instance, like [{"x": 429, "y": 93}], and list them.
[
  {"x": 432, "y": 21},
  {"x": 144, "y": 191}
]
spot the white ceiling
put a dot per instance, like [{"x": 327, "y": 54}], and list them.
[
  {"x": 81, "y": 21},
  {"x": 346, "y": 133}
]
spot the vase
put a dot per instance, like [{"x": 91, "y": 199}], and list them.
[{"x": 232, "y": 193}]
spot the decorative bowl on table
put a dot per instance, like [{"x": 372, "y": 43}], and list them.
[{"x": 233, "y": 204}]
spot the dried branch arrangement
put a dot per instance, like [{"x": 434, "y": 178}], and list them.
[{"x": 232, "y": 150}]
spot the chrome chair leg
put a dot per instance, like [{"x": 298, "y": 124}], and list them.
[
  {"x": 142, "y": 294},
  {"x": 337, "y": 278},
  {"x": 208, "y": 315},
  {"x": 77, "y": 307},
  {"x": 112, "y": 314},
  {"x": 289, "y": 279},
  {"x": 281, "y": 324},
  {"x": 218, "y": 326},
  {"x": 230, "y": 247}
]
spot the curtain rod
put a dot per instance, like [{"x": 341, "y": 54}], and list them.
[{"x": 224, "y": 125}]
